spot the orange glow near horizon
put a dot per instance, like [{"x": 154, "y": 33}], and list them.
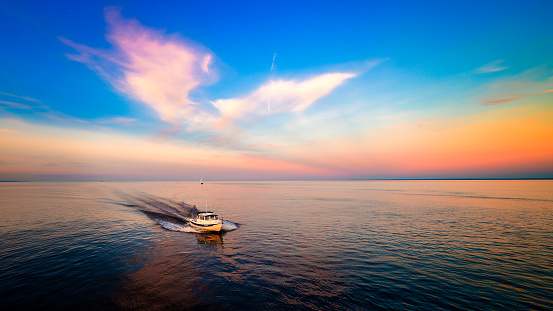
[{"x": 510, "y": 140}]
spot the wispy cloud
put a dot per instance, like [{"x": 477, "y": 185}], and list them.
[
  {"x": 63, "y": 118},
  {"x": 118, "y": 120},
  {"x": 67, "y": 119},
  {"x": 491, "y": 67},
  {"x": 273, "y": 66},
  {"x": 522, "y": 87},
  {"x": 8, "y": 131},
  {"x": 150, "y": 66},
  {"x": 8, "y": 101},
  {"x": 270, "y": 95},
  {"x": 20, "y": 97},
  {"x": 508, "y": 99},
  {"x": 15, "y": 105},
  {"x": 60, "y": 117},
  {"x": 287, "y": 96}
]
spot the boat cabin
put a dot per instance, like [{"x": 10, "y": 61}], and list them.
[
  {"x": 207, "y": 221},
  {"x": 207, "y": 216}
]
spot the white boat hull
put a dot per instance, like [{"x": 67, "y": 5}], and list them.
[{"x": 207, "y": 227}]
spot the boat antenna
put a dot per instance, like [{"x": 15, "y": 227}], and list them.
[{"x": 205, "y": 196}]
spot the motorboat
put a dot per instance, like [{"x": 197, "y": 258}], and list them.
[{"x": 207, "y": 221}]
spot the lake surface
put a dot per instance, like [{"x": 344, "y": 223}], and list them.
[{"x": 328, "y": 245}]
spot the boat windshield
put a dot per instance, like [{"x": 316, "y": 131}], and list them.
[{"x": 208, "y": 217}]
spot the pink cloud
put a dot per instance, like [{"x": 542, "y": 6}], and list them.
[{"x": 149, "y": 66}]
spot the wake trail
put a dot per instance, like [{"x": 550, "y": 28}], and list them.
[{"x": 170, "y": 214}]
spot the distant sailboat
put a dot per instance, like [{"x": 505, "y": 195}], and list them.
[{"x": 201, "y": 182}]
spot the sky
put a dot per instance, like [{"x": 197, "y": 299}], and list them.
[{"x": 284, "y": 90}]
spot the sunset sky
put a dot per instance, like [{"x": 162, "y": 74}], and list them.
[{"x": 284, "y": 90}]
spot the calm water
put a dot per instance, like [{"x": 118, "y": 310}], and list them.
[{"x": 346, "y": 245}]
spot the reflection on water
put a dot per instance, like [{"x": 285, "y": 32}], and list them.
[
  {"x": 301, "y": 245},
  {"x": 163, "y": 277},
  {"x": 210, "y": 238}
]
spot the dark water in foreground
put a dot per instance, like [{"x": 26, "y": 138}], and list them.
[{"x": 366, "y": 245}]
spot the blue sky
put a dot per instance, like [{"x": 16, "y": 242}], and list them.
[{"x": 341, "y": 73}]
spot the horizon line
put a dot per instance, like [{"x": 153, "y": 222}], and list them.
[{"x": 293, "y": 180}]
